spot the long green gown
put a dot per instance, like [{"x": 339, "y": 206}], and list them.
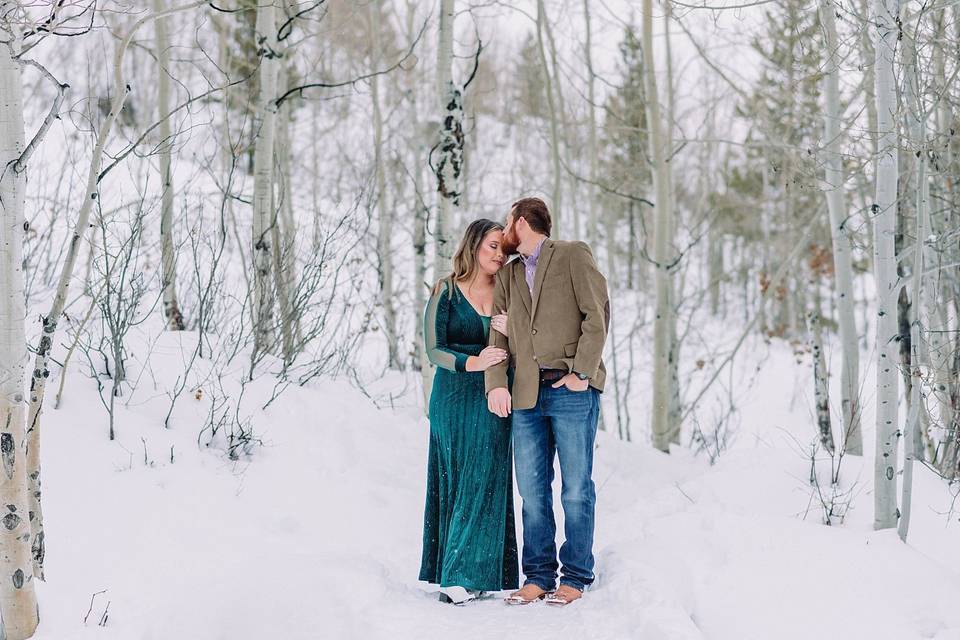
[{"x": 469, "y": 537}]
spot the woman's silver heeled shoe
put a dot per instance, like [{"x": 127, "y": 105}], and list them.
[{"x": 457, "y": 595}]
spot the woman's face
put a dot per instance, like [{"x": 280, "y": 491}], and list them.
[{"x": 490, "y": 254}]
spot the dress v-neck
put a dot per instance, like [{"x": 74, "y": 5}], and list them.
[{"x": 464, "y": 294}]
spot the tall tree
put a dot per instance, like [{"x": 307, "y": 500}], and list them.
[
  {"x": 661, "y": 428},
  {"x": 171, "y": 305},
  {"x": 384, "y": 212},
  {"x": 450, "y": 150},
  {"x": 556, "y": 191},
  {"x": 841, "y": 236},
  {"x": 264, "y": 213},
  {"x": 592, "y": 129},
  {"x": 884, "y": 212},
  {"x": 18, "y": 601}
]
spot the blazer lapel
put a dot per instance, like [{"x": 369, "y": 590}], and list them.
[
  {"x": 546, "y": 252},
  {"x": 520, "y": 284}
]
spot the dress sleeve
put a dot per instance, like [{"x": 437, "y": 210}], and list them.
[{"x": 435, "y": 341}]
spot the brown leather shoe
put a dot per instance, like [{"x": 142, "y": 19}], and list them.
[
  {"x": 529, "y": 593},
  {"x": 564, "y": 596}
]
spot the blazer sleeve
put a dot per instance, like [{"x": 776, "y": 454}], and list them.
[
  {"x": 435, "y": 321},
  {"x": 496, "y": 376},
  {"x": 590, "y": 289}
]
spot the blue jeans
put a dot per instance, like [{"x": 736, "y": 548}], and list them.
[{"x": 562, "y": 422}]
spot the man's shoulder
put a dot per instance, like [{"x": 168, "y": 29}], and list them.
[{"x": 572, "y": 247}]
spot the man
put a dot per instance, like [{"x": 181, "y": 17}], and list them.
[{"x": 557, "y": 316}]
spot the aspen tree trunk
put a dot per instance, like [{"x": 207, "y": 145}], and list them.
[
  {"x": 384, "y": 213},
  {"x": 613, "y": 278},
  {"x": 280, "y": 257},
  {"x": 290, "y": 326},
  {"x": 842, "y": 246},
  {"x": 556, "y": 193},
  {"x": 171, "y": 306},
  {"x": 766, "y": 218},
  {"x": 674, "y": 357},
  {"x": 592, "y": 226},
  {"x": 715, "y": 268},
  {"x": 916, "y": 117},
  {"x": 264, "y": 215},
  {"x": 913, "y": 442},
  {"x": 41, "y": 366},
  {"x": 450, "y": 159},
  {"x": 884, "y": 211},
  {"x": 715, "y": 237},
  {"x": 937, "y": 323},
  {"x": 420, "y": 360},
  {"x": 19, "y": 614},
  {"x": 821, "y": 389},
  {"x": 286, "y": 223},
  {"x": 661, "y": 428},
  {"x": 869, "y": 56},
  {"x": 561, "y": 112}
]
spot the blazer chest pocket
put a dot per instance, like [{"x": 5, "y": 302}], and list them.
[{"x": 570, "y": 349}]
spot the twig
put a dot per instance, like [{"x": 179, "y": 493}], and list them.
[{"x": 90, "y": 609}]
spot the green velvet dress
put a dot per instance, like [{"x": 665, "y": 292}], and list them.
[{"x": 469, "y": 539}]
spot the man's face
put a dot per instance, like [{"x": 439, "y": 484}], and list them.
[{"x": 510, "y": 240}]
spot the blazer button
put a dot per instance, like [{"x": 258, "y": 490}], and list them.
[
  {"x": 534, "y": 332},
  {"x": 534, "y": 357}
]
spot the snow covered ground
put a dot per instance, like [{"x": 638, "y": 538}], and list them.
[{"x": 318, "y": 535}]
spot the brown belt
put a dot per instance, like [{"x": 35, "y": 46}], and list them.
[{"x": 551, "y": 375}]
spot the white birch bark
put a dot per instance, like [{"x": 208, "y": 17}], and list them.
[
  {"x": 661, "y": 428},
  {"x": 290, "y": 326},
  {"x": 840, "y": 234},
  {"x": 171, "y": 306},
  {"x": 592, "y": 226},
  {"x": 884, "y": 211},
  {"x": 913, "y": 441},
  {"x": 919, "y": 356},
  {"x": 264, "y": 215},
  {"x": 868, "y": 56},
  {"x": 416, "y": 143},
  {"x": 556, "y": 193},
  {"x": 821, "y": 390},
  {"x": 19, "y": 615},
  {"x": 281, "y": 254},
  {"x": 450, "y": 158},
  {"x": 559, "y": 116},
  {"x": 384, "y": 213},
  {"x": 937, "y": 324},
  {"x": 673, "y": 414}
]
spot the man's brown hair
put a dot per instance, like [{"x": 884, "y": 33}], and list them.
[{"x": 535, "y": 212}]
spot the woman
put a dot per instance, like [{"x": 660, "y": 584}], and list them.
[{"x": 469, "y": 540}]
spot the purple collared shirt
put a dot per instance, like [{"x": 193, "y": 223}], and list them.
[{"x": 530, "y": 265}]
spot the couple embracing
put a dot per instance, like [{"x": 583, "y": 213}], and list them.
[{"x": 517, "y": 345}]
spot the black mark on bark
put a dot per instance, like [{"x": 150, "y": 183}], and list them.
[{"x": 7, "y": 453}]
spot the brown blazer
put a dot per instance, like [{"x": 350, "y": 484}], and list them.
[{"x": 563, "y": 326}]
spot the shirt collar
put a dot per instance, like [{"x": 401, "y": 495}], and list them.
[{"x": 532, "y": 258}]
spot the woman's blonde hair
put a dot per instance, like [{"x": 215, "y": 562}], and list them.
[{"x": 465, "y": 259}]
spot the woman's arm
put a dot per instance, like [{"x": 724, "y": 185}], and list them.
[{"x": 435, "y": 333}]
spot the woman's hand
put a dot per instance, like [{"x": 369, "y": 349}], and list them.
[
  {"x": 499, "y": 323},
  {"x": 487, "y": 358}
]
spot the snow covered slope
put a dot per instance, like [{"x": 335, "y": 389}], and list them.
[{"x": 318, "y": 536}]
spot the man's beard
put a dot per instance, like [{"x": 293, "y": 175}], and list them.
[{"x": 510, "y": 244}]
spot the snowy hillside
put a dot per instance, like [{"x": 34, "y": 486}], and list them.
[{"x": 317, "y": 535}]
